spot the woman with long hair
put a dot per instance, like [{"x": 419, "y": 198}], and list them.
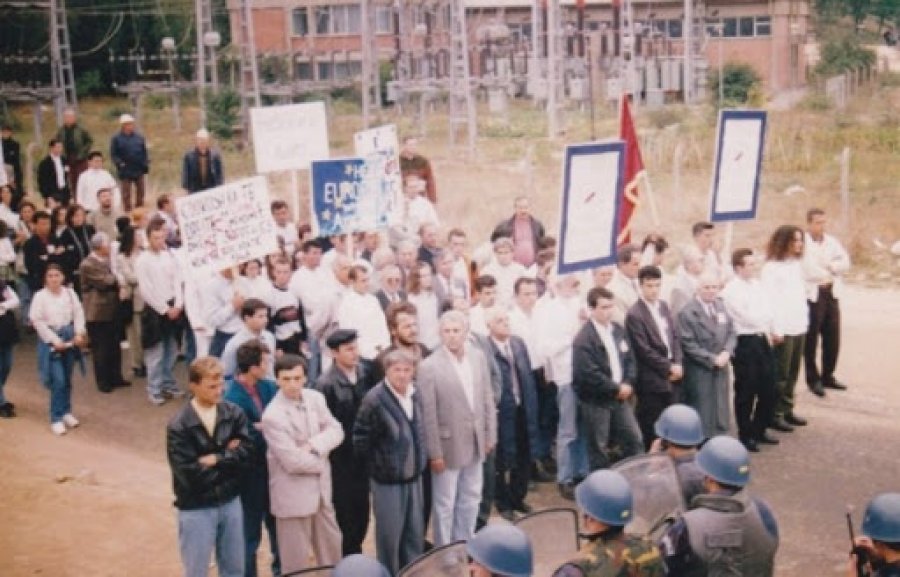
[
  {"x": 782, "y": 276},
  {"x": 75, "y": 238},
  {"x": 58, "y": 318}
]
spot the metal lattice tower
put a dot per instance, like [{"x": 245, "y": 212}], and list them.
[
  {"x": 62, "y": 72},
  {"x": 555, "y": 69},
  {"x": 462, "y": 101},
  {"x": 249, "y": 68},
  {"x": 371, "y": 85}
]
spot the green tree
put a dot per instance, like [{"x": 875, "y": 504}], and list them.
[{"x": 741, "y": 84}]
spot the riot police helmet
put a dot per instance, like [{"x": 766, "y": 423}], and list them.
[
  {"x": 502, "y": 550},
  {"x": 679, "y": 425},
  {"x": 606, "y": 496},
  {"x": 725, "y": 460}
]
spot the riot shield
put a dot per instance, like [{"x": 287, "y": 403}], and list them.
[
  {"x": 324, "y": 571},
  {"x": 657, "y": 493},
  {"x": 554, "y": 537},
  {"x": 449, "y": 560}
]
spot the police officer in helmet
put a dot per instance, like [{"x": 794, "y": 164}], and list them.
[
  {"x": 501, "y": 551},
  {"x": 606, "y": 501},
  {"x": 359, "y": 566},
  {"x": 679, "y": 432},
  {"x": 881, "y": 541},
  {"x": 727, "y": 532}
]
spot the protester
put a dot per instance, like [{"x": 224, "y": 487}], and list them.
[
  {"x": 359, "y": 310},
  {"x": 77, "y": 144},
  {"x": 523, "y": 230},
  {"x": 104, "y": 217},
  {"x": 254, "y": 319},
  {"x": 126, "y": 260},
  {"x": 505, "y": 270},
  {"x": 52, "y": 173},
  {"x": 9, "y": 336},
  {"x": 202, "y": 167},
  {"x": 75, "y": 240},
  {"x": 128, "y": 152},
  {"x": 420, "y": 293},
  {"x": 286, "y": 320},
  {"x": 12, "y": 156},
  {"x": 414, "y": 164},
  {"x": 92, "y": 181},
  {"x": 58, "y": 318}
]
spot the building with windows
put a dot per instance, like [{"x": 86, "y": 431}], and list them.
[{"x": 321, "y": 38}]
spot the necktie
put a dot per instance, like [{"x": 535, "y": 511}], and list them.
[{"x": 514, "y": 374}]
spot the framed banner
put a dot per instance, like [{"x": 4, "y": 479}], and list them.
[
  {"x": 738, "y": 165},
  {"x": 289, "y": 137},
  {"x": 380, "y": 147},
  {"x": 227, "y": 225},
  {"x": 347, "y": 196},
  {"x": 589, "y": 205}
]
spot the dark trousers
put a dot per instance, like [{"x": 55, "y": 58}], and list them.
[
  {"x": 126, "y": 185},
  {"x": 754, "y": 385},
  {"x": 548, "y": 415},
  {"x": 489, "y": 471},
  {"x": 255, "y": 506},
  {"x": 650, "y": 406},
  {"x": 824, "y": 321},
  {"x": 105, "y": 353},
  {"x": 514, "y": 470},
  {"x": 218, "y": 342},
  {"x": 76, "y": 167},
  {"x": 788, "y": 357},
  {"x": 610, "y": 423},
  {"x": 351, "y": 506}
]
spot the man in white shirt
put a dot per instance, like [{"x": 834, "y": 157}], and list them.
[
  {"x": 159, "y": 280},
  {"x": 624, "y": 285},
  {"x": 222, "y": 310},
  {"x": 359, "y": 310},
  {"x": 462, "y": 265},
  {"x": 94, "y": 179},
  {"x": 413, "y": 212},
  {"x": 753, "y": 362},
  {"x": 285, "y": 228},
  {"x": 254, "y": 319},
  {"x": 825, "y": 262},
  {"x": 704, "y": 234},
  {"x": 486, "y": 294},
  {"x": 505, "y": 270}
]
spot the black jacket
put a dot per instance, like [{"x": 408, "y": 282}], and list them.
[
  {"x": 12, "y": 155},
  {"x": 191, "y": 179},
  {"x": 344, "y": 399},
  {"x": 392, "y": 445},
  {"x": 196, "y": 486},
  {"x": 591, "y": 372},
  {"x": 47, "y": 180}
]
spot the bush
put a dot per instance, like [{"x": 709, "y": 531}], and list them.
[
  {"x": 223, "y": 113},
  {"x": 742, "y": 84},
  {"x": 157, "y": 101},
  {"x": 843, "y": 54},
  {"x": 90, "y": 83}
]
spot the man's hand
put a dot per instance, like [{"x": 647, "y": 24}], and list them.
[
  {"x": 490, "y": 448},
  {"x": 208, "y": 461},
  {"x": 233, "y": 444},
  {"x": 237, "y": 301},
  {"x": 173, "y": 313},
  {"x": 79, "y": 341},
  {"x": 437, "y": 466},
  {"x": 675, "y": 372},
  {"x": 777, "y": 339},
  {"x": 722, "y": 359},
  {"x": 625, "y": 391},
  {"x": 60, "y": 347}
]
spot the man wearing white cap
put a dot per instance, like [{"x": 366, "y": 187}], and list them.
[
  {"x": 129, "y": 153},
  {"x": 202, "y": 167}
]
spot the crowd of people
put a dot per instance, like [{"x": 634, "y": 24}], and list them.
[{"x": 400, "y": 369}]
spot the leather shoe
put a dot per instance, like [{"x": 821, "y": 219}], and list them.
[
  {"x": 105, "y": 389},
  {"x": 549, "y": 465},
  {"x": 816, "y": 389},
  {"x": 539, "y": 474},
  {"x": 793, "y": 419},
  {"x": 767, "y": 439},
  {"x": 122, "y": 384},
  {"x": 835, "y": 384},
  {"x": 750, "y": 445},
  {"x": 509, "y": 515},
  {"x": 780, "y": 424},
  {"x": 567, "y": 491},
  {"x": 523, "y": 507}
]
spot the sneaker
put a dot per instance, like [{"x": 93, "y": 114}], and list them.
[
  {"x": 58, "y": 428},
  {"x": 156, "y": 399},
  {"x": 70, "y": 420},
  {"x": 7, "y": 411}
]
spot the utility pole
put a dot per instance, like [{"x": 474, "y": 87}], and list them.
[
  {"x": 249, "y": 68},
  {"x": 203, "y": 9},
  {"x": 62, "y": 72},
  {"x": 554, "y": 69},
  {"x": 689, "y": 51},
  {"x": 462, "y": 101},
  {"x": 371, "y": 79}
]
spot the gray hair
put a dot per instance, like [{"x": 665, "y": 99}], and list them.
[
  {"x": 504, "y": 241},
  {"x": 397, "y": 357},
  {"x": 453, "y": 316},
  {"x": 99, "y": 240}
]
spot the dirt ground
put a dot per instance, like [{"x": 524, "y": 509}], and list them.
[{"x": 98, "y": 501}]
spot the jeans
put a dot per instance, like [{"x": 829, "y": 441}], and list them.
[
  {"x": 201, "y": 530},
  {"x": 571, "y": 453},
  {"x": 488, "y": 490},
  {"x": 61, "y": 367},
  {"x": 456, "y": 494},
  {"x": 24, "y": 293},
  {"x": 315, "y": 359},
  {"x": 217, "y": 345},
  {"x": 6, "y": 359},
  {"x": 160, "y": 360}
]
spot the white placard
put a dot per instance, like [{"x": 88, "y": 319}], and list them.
[
  {"x": 289, "y": 137},
  {"x": 738, "y": 165},
  {"x": 380, "y": 147},
  {"x": 225, "y": 226}
]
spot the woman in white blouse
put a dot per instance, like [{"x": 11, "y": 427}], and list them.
[
  {"x": 254, "y": 282},
  {"x": 58, "y": 318}
]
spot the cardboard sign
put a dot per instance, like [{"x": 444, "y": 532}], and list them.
[
  {"x": 380, "y": 148},
  {"x": 347, "y": 196},
  {"x": 289, "y": 137},
  {"x": 738, "y": 164}
]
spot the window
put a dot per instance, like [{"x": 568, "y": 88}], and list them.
[
  {"x": 303, "y": 71},
  {"x": 300, "y": 22},
  {"x": 729, "y": 29},
  {"x": 338, "y": 19},
  {"x": 339, "y": 70},
  {"x": 745, "y": 27},
  {"x": 674, "y": 28},
  {"x": 763, "y": 25},
  {"x": 384, "y": 20}
]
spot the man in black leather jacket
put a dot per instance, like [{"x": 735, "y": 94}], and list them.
[{"x": 209, "y": 449}]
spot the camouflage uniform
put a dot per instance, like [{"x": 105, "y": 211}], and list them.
[{"x": 623, "y": 556}]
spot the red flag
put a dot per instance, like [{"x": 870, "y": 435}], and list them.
[{"x": 634, "y": 169}]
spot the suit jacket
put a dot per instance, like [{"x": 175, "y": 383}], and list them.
[
  {"x": 190, "y": 171},
  {"x": 507, "y": 410},
  {"x": 12, "y": 156},
  {"x": 454, "y": 432},
  {"x": 384, "y": 301},
  {"x": 591, "y": 372},
  {"x": 300, "y": 436},
  {"x": 703, "y": 337},
  {"x": 343, "y": 399},
  {"x": 507, "y": 228},
  {"x": 653, "y": 363},
  {"x": 47, "y": 179},
  {"x": 99, "y": 290}
]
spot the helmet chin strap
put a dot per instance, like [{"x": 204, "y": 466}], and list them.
[{"x": 605, "y": 535}]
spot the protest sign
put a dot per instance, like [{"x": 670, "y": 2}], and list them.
[
  {"x": 380, "y": 148},
  {"x": 590, "y": 201},
  {"x": 347, "y": 196},
  {"x": 289, "y": 137},
  {"x": 224, "y": 226},
  {"x": 738, "y": 163}
]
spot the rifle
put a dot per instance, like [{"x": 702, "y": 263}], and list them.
[{"x": 862, "y": 554}]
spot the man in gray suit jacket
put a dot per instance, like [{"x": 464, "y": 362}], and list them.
[{"x": 460, "y": 428}]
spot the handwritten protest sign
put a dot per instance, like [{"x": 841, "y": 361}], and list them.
[
  {"x": 289, "y": 137},
  {"x": 380, "y": 148},
  {"x": 347, "y": 196},
  {"x": 226, "y": 225}
]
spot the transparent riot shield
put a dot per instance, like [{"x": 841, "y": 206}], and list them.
[
  {"x": 554, "y": 537},
  {"x": 449, "y": 560},
  {"x": 657, "y": 493},
  {"x": 324, "y": 571}
]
